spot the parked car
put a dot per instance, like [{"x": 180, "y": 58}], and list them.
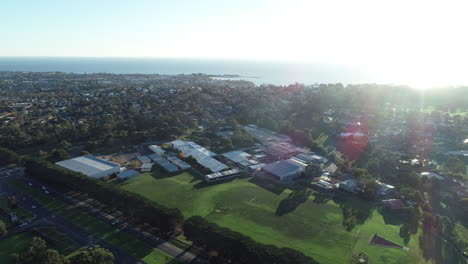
[
  {"x": 33, "y": 207},
  {"x": 44, "y": 188}
]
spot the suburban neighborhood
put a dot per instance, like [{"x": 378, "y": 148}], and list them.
[{"x": 142, "y": 186}]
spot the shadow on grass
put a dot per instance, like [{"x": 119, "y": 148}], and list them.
[
  {"x": 437, "y": 250},
  {"x": 268, "y": 185},
  {"x": 355, "y": 211},
  {"x": 407, "y": 219},
  {"x": 158, "y": 173},
  {"x": 291, "y": 202},
  {"x": 322, "y": 198},
  {"x": 204, "y": 184}
]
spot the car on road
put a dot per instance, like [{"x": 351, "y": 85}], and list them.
[
  {"x": 46, "y": 192},
  {"x": 30, "y": 184},
  {"x": 44, "y": 188},
  {"x": 33, "y": 206}
]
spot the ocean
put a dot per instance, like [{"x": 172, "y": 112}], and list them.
[{"x": 259, "y": 72}]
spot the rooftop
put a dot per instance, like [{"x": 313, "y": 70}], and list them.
[
  {"x": 128, "y": 174},
  {"x": 88, "y": 165},
  {"x": 201, "y": 154},
  {"x": 284, "y": 167},
  {"x": 156, "y": 149},
  {"x": 431, "y": 175},
  {"x": 240, "y": 157}
]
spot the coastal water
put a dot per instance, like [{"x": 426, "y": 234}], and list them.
[{"x": 259, "y": 72}]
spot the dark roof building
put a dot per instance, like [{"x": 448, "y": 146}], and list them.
[
  {"x": 393, "y": 204},
  {"x": 285, "y": 170}
]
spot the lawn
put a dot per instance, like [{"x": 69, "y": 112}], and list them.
[
  {"x": 12, "y": 245},
  {"x": 314, "y": 227},
  {"x": 105, "y": 231}
]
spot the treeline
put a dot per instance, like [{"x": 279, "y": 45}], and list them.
[
  {"x": 39, "y": 253},
  {"x": 237, "y": 248},
  {"x": 134, "y": 205}
]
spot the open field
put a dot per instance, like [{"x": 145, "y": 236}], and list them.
[
  {"x": 12, "y": 245},
  {"x": 105, "y": 231},
  {"x": 314, "y": 227}
]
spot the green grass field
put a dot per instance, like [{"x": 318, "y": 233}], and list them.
[
  {"x": 105, "y": 231},
  {"x": 12, "y": 245},
  {"x": 314, "y": 227}
]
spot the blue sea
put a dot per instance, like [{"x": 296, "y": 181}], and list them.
[{"x": 259, "y": 72}]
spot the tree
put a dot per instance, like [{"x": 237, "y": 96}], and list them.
[
  {"x": 12, "y": 202},
  {"x": 58, "y": 155},
  {"x": 3, "y": 230},
  {"x": 455, "y": 165},
  {"x": 43, "y": 154},
  {"x": 94, "y": 255},
  {"x": 38, "y": 253},
  {"x": 51, "y": 256},
  {"x": 7, "y": 156},
  {"x": 414, "y": 180},
  {"x": 313, "y": 171},
  {"x": 33, "y": 254},
  {"x": 359, "y": 174},
  {"x": 84, "y": 152}
]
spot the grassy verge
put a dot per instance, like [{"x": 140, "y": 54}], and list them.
[
  {"x": 105, "y": 231},
  {"x": 59, "y": 241},
  {"x": 22, "y": 213}
]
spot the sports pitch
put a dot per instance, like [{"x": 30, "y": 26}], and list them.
[{"x": 315, "y": 227}]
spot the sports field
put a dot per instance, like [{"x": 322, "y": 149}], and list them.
[{"x": 315, "y": 227}]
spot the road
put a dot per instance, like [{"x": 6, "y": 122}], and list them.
[
  {"x": 46, "y": 217},
  {"x": 81, "y": 236}
]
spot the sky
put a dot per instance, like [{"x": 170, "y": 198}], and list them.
[{"x": 429, "y": 36}]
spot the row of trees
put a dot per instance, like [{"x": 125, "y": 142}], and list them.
[
  {"x": 237, "y": 248},
  {"x": 3, "y": 229},
  {"x": 134, "y": 205},
  {"x": 39, "y": 253}
]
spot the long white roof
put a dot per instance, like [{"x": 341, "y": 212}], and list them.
[
  {"x": 156, "y": 149},
  {"x": 88, "y": 165},
  {"x": 201, "y": 154}
]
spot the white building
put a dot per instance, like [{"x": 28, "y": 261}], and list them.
[
  {"x": 157, "y": 149},
  {"x": 144, "y": 159},
  {"x": 431, "y": 175},
  {"x": 311, "y": 158},
  {"x": 203, "y": 156},
  {"x": 90, "y": 166},
  {"x": 145, "y": 167}
]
